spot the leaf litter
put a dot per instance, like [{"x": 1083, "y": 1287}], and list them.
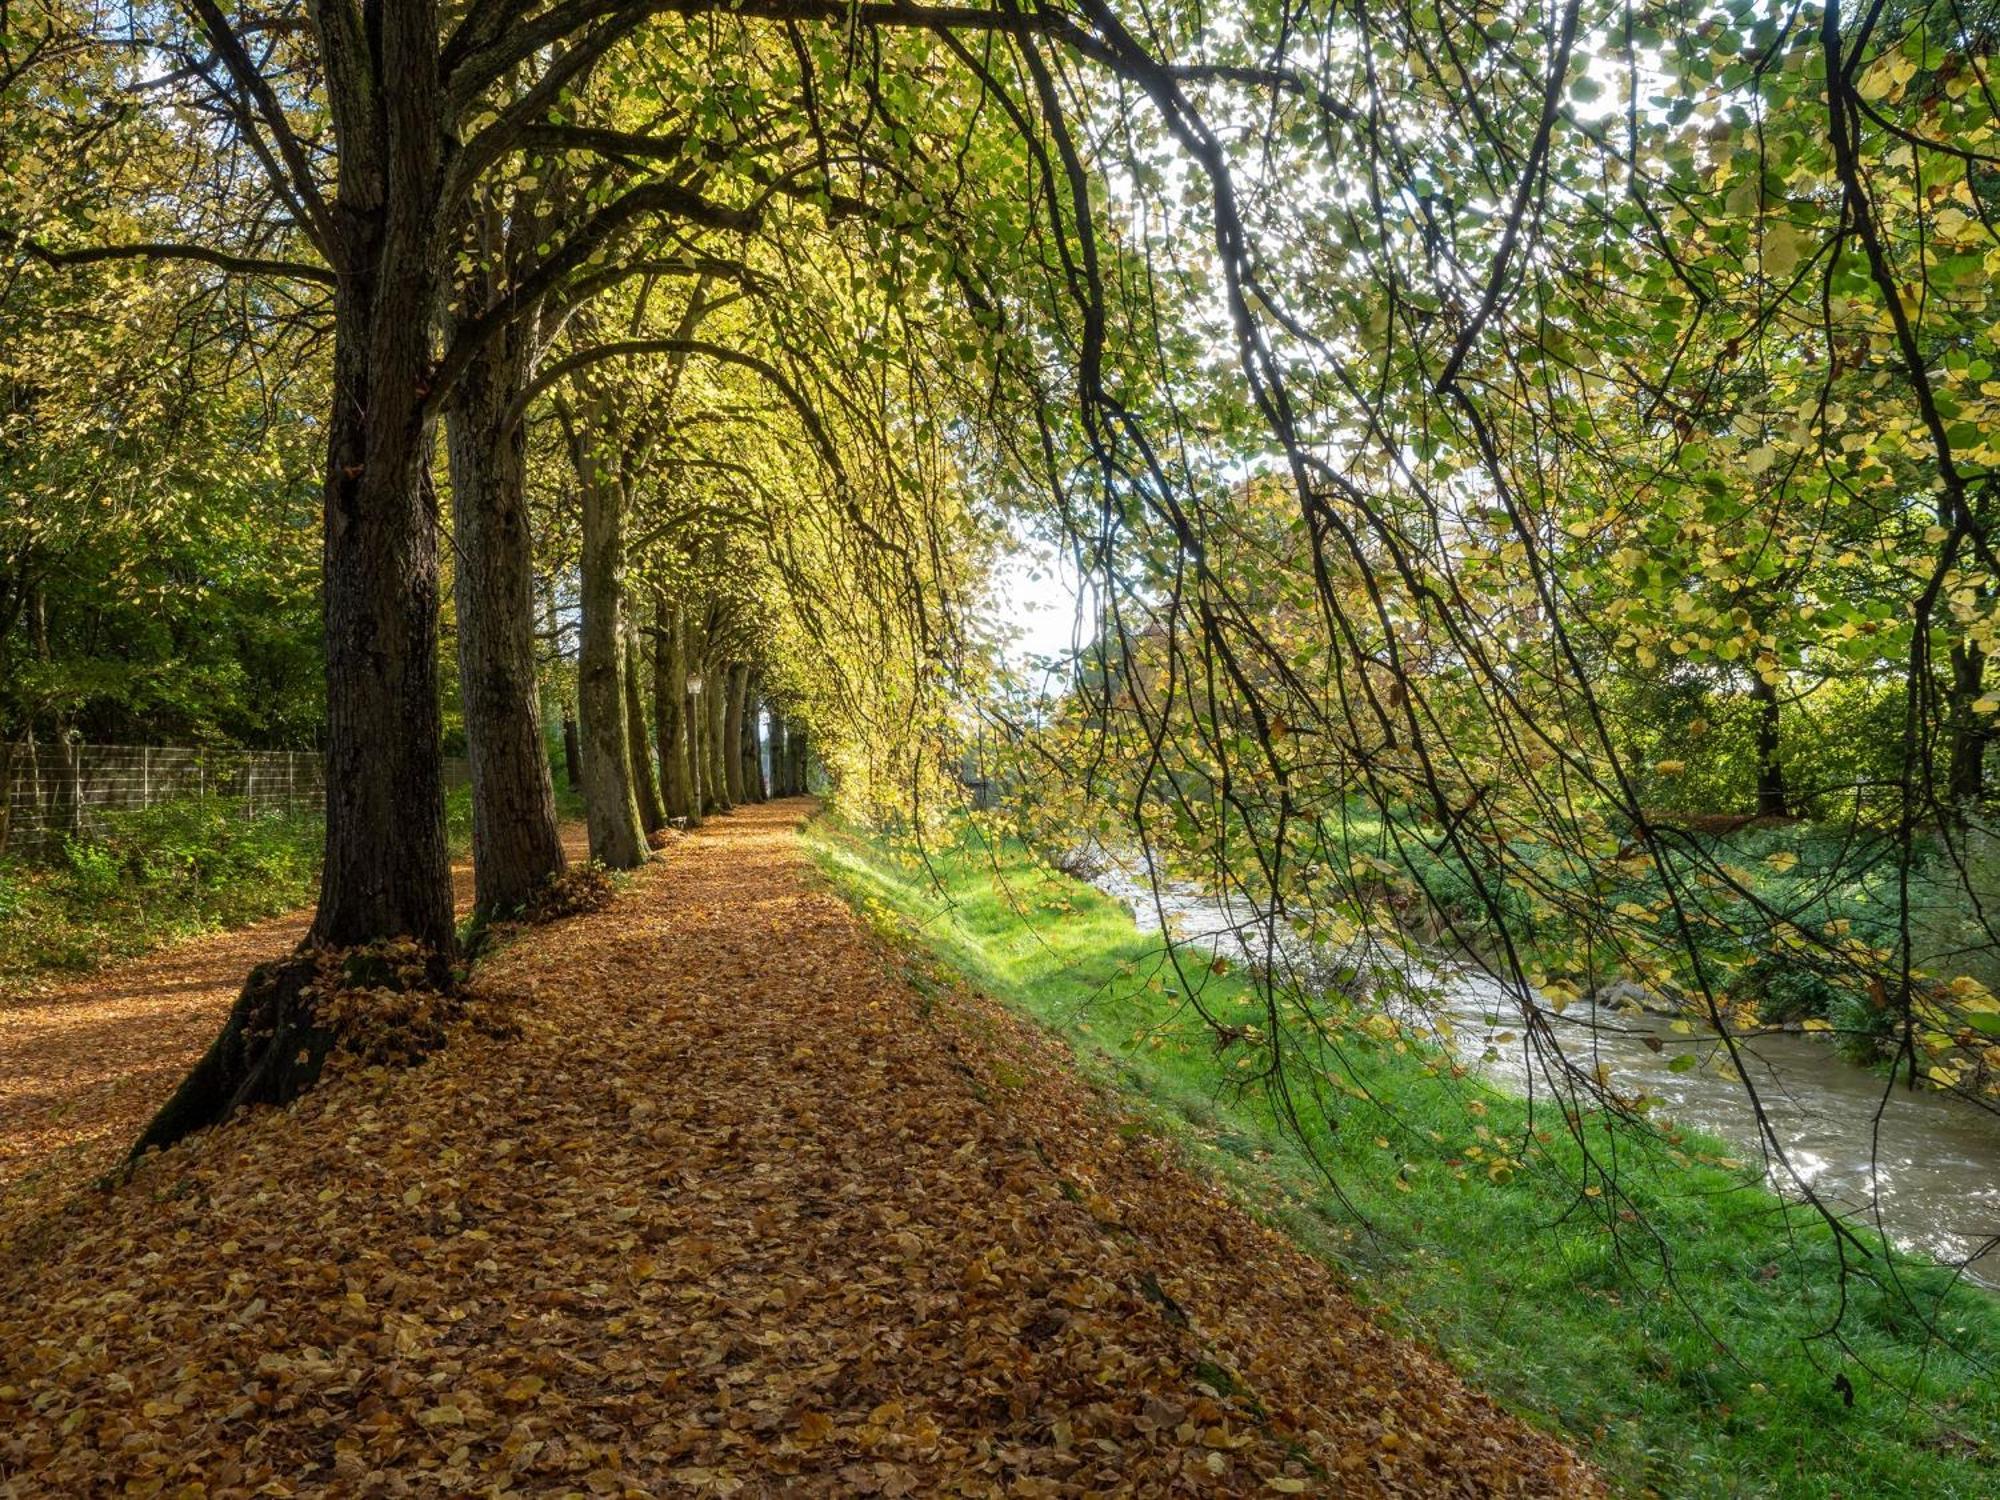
[{"x": 726, "y": 1208}]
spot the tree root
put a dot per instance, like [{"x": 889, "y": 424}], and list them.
[{"x": 384, "y": 1003}]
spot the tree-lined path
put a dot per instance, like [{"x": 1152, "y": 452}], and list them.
[{"x": 724, "y": 1206}]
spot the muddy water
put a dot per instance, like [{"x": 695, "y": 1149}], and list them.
[{"x": 1922, "y": 1167}]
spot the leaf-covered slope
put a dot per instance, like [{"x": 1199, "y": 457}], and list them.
[{"x": 737, "y": 1211}]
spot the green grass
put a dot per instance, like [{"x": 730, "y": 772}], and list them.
[
  {"x": 145, "y": 879},
  {"x": 1719, "y": 1379},
  {"x": 149, "y": 878}
]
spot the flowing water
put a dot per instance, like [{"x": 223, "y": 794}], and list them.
[{"x": 1922, "y": 1166}]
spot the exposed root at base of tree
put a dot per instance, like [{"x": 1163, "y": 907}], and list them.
[{"x": 387, "y": 1003}]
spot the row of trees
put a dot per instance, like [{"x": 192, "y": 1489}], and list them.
[
  {"x": 586, "y": 328},
  {"x": 1578, "y": 354}
]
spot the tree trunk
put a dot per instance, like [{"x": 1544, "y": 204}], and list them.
[
  {"x": 777, "y": 741},
  {"x": 715, "y": 689},
  {"x": 797, "y": 746},
  {"x": 1965, "y": 769},
  {"x": 738, "y": 677},
  {"x": 691, "y": 747},
  {"x": 572, "y": 751},
  {"x": 694, "y": 651},
  {"x": 669, "y": 710},
  {"x": 516, "y": 848},
  {"x": 1771, "y": 799},
  {"x": 386, "y": 873},
  {"x": 753, "y": 739},
  {"x": 652, "y": 816},
  {"x": 611, "y": 809}
]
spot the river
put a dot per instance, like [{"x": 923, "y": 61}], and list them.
[{"x": 1921, "y": 1165}]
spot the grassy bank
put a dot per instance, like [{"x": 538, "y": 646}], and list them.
[
  {"x": 148, "y": 878},
  {"x": 1547, "y": 1286},
  {"x": 144, "y": 879}
]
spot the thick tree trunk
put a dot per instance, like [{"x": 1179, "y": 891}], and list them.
[
  {"x": 669, "y": 710},
  {"x": 737, "y": 677},
  {"x": 572, "y": 751},
  {"x": 715, "y": 690},
  {"x": 611, "y": 810},
  {"x": 652, "y": 816},
  {"x": 1771, "y": 799},
  {"x": 386, "y": 873},
  {"x": 516, "y": 848}
]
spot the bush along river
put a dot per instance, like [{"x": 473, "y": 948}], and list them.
[{"x": 1920, "y": 1165}]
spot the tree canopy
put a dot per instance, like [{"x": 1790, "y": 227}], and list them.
[{"x": 1510, "y": 444}]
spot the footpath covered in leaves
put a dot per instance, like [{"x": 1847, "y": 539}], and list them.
[
  {"x": 84, "y": 1062},
  {"x": 728, "y": 1208}
]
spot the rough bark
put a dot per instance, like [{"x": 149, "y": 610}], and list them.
[
  {"x": 670, "y": 710},
  {"x": 737, "y": 678},
  {"x": 516, "y": 848},
  {"x": 572, "y": 750},
  {"x": 715, "y": 692},
  {"x": 1772, "y": 801},
  {"x": 611, "y": 810},
  {"x": 645, "y": 787},
  {"x": 386, "y": 872}
]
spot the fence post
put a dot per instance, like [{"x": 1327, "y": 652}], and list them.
[{"x": 145, "y": 777}]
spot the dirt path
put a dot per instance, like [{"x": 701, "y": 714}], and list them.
[
  {"x": 736, "y": 1211},
  {"x": 83, "y": 1064}
]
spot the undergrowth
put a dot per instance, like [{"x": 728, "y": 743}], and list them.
[
  {"x": 152, "y": 877},
  {"x": 142, "y": 879},
  {"x": 1696, "y": 1341}
]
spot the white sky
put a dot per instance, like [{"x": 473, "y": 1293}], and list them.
[{"x": 1032, "y": 609}]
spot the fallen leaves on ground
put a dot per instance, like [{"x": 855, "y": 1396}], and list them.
[
  {"x": 736, "y": 1212},
  {"x": 84, "y": 1062}
]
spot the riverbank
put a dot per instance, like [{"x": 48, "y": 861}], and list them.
[
  {"x": 1920, "y": 1165},
  {"x": 1674, "y": 1320}
]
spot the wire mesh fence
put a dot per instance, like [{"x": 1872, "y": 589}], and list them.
[{"x": 50, "y": 791}]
